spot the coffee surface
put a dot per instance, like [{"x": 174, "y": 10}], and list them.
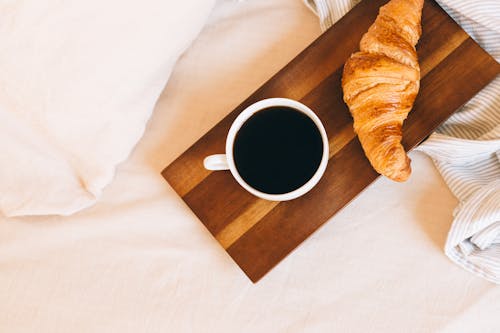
[{"x": 278, "y": 150}]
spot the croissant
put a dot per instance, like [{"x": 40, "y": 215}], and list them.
[{"x": 380, "y": 83}]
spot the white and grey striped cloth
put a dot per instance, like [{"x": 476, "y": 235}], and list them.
[{"x": 466, "y": 149}]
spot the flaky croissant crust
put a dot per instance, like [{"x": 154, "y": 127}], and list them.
[{"x": 380, "y": 83}]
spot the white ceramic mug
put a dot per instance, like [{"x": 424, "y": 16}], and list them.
[{"x": 226, "y": 161}]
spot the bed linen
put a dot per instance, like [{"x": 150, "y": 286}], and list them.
[
  {"x": 140, "y": 261},
  {"x": 79, "y": 82}
]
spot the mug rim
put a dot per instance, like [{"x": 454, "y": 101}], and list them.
[{"x": 257, "y": 107}]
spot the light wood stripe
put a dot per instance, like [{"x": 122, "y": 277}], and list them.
[
  {"x": 183, "y": 186},
  {"x": 444, "y": 50},
  {"x": 342, "y": 138},
  {"x": 253, "y": 214}
]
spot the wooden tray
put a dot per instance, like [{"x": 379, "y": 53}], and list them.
[{"x": 258, "y": 234}]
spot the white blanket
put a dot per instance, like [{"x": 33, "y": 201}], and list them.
[
  {"x": 140, "y": 261},
  {"x": 79, "y": 81}
]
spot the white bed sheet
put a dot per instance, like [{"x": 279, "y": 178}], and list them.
[{"x": 140, "y": 261}]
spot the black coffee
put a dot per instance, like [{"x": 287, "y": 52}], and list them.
[{"x": 278, "y": 150}]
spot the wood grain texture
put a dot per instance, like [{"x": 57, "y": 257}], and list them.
[{"x": 258, "y": 234}]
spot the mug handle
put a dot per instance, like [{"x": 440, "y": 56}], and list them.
[{"x": 216, "y": 162}]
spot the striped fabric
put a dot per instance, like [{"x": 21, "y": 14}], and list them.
[{"x": 466, "y": 149}]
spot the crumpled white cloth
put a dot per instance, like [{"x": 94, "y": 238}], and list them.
[
  {"x": 466, "y": 149},
  {"x": 79, "y": 82}
]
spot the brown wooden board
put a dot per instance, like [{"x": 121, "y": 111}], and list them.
[{"x": 257, "y": 233}]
